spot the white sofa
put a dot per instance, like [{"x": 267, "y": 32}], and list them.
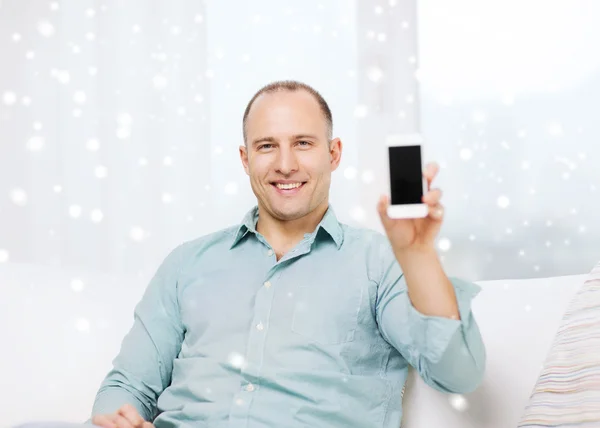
[{"x": 57, "y": 345}]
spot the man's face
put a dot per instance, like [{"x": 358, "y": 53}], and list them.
[{"x": 288, "y": 155}]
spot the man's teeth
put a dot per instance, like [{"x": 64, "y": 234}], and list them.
[{"x": 288, "y": 186}]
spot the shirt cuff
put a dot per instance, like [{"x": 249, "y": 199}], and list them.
[{"x": 433, "y": 334}]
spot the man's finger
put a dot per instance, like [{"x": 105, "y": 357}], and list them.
[
  {"x": 382, "y": 206},
  {"x": 430, "y": 172},
  {"x": 122, "y": 422},
  {"x": 432, "y": 197},
  {"x": 131, "y": 414},
  {"x": 147, "y": 425},
  {"x": 436, "y": 212},
  {"x": 104, "y": 421}
]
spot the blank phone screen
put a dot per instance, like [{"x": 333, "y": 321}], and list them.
[{"x": 406, "y": 179}]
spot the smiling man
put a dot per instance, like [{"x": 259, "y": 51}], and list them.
[{"x": 291, "y": 318}]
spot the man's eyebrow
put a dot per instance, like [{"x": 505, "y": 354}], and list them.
[
  {"x": 263, "y": 140},
  {"x": 274, "y": 140},
  {"x": 306, "y": 136}
]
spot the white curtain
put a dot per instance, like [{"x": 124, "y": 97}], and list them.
[
  {"x": 120, "y": 122},
  {"x": 104, "y": 131}
]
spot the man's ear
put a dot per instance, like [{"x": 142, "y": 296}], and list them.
[
  {"x": 244, "y": 158},
  {"x": 335, "y": 153}
]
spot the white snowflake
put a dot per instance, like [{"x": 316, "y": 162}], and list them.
[
  {"x": 82, "y": 325},
  {"x": 37, "y": 126},
  {"x": 18, "y": 197},
  {"x": 458, "y": 402},
  {"x": 101, "y": 171},
  {"x": 79, "y": 97},
  {"x": 137, "y": 233},
  {"x": 444, "y": 244},
  {"x": 77, "y": 285},
  {"x": 35, "y": 143},
  {"x": 368, "y": 176},
  {"x": 374, "y": 74},
  {"x": 93, "y": 145},
  {"x": 361, "y": 111},
  {"x": 466, "y": 153},
  {"x": 62, "y": 76},
  {"x": 4, "y": 255},
  {"x": 123, "y": 133},
  {"x": 167, "y": 198},
  {"x": 350, "y": 173},
  {"x": 16, "y": 37},
  {"x": 237, "y": 360},
  {"x": 75, "y": 211},
  {"x": 358, "y": 214},
  {"x": 231, "y": 188},
  {"x": 96, "y": 216},
  {"x": 555, "y": 129},
  {"x": 168, "y": 161},
  {"x": 9, "y": 98},
  {"x": 30, "y": 55},
  {"x": 45, "y": 28},
  {"x": 503, "y": 201},
  {"x": 159, "y": 81},
  {"x": 478, "y": 116}
]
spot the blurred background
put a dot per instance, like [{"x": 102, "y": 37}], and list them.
[{"x": 120, "y": 123}]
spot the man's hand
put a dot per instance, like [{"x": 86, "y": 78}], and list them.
[
  {"x": 415, "y": 234},
  {"x": 126, "y": 417}
]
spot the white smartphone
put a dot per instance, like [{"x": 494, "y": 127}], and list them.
[{"x": 406, "y": 182}]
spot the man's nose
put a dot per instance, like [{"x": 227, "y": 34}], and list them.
[{"x": 287, "y": 162}]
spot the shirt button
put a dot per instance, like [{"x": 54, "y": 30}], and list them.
[
  {"x": 270, "y": 253},
  {"x": 260, "y": 326},
  {"x": 267, "y": 284},
  {"x": 249, "y": 387}
]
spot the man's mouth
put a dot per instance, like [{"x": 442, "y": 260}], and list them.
[{"x": 288, "y": 188}]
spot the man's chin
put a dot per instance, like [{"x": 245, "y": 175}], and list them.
[{"x": 288, "y": 213}]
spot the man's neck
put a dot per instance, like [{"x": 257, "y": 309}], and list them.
[{"x": 283, "y": 235}]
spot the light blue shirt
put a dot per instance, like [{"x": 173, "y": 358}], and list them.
[{"x": 227, "y": 336}]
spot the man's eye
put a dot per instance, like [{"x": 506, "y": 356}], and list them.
[
  {"x": 264, "y": 146},
  {"x": 304, "y": 142}
]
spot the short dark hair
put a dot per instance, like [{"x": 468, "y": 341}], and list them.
[{"x": 292, "y": 86}]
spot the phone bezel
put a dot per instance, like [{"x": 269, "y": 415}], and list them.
[{"x": 400, "y": 211}]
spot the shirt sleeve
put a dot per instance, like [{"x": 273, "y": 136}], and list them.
[
  {"x": 448, "y": 354},
  {"x": 142, "y": 369}
]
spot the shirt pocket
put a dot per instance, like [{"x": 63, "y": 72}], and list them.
[{"x": 327, "y": 314}]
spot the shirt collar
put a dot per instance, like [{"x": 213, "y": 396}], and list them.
[{"x": 329, "y": 224}]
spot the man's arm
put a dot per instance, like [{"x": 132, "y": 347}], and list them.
[
  {"x": 427, "y": 318},
  {"x": 142, "y": 369}
]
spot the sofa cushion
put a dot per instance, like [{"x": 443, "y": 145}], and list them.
[
  {"x": 567, "y": 392},
  {"x": 518, "y": 320}
]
